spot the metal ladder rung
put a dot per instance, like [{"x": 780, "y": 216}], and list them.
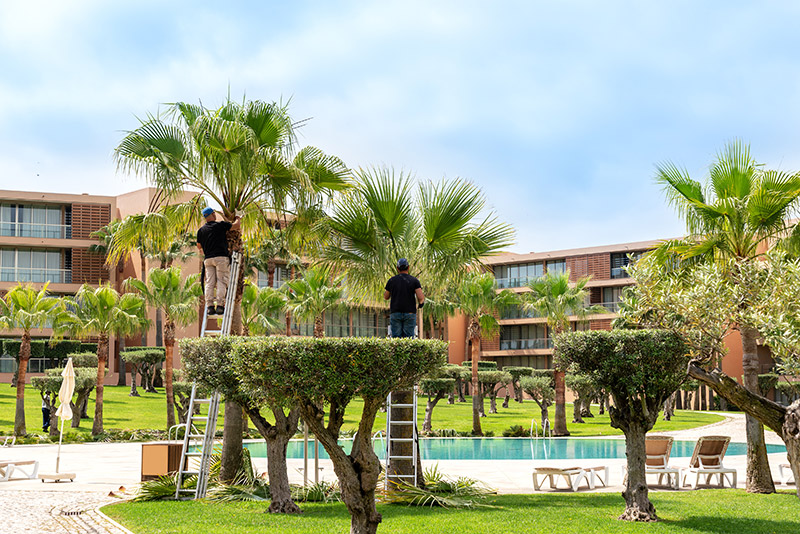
[
  {"x": 193, "y": 454},
  {"x": 190, "y": 473},
  {"x": 402, "y": 405},
  {"x": 401, "y": 422},
  {"x": 202, "y": 401},
  {"x": 401, "y": 476},
  {"x": 401, "y": 439},
  {"x": 213, "y": 332},
  {"x": 401, "y": 457},
  {"x": 200, "y": 418},
  {"x": 197, "y": 435}
]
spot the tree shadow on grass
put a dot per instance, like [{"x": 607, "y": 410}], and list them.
[{"x": 726, "y": 525}]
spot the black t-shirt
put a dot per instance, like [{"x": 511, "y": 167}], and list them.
[
  {"x": 402, "y": 287},
  {"x": 211, "y": 236}
]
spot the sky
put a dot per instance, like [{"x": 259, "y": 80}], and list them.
[{"x": 558, "y": 111}]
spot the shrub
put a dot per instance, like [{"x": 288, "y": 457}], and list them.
[
  {"x": 89, "y": 347},
  {"x": 58, "y": 351}
]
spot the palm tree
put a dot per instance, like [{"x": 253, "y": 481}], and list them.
[
  {"x": 740, "y": 213},
  {"x": 308, "y": 297},
  {"x": 555, "y": 298},
  {"x": 103, "y": 312},
  {"x": 26, "y": 309},
  {"x": 479, "y": 300},
  {"x": 438, "y": 227},
  {"x": 262, "y": 310},
  {"x": 165, "y": 290},
  {"x": 242, "y": 157}
]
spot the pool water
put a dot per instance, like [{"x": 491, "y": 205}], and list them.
[{"x": 509, "y": 448}]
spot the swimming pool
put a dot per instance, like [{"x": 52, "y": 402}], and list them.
[{"x": 509, "y": 448}]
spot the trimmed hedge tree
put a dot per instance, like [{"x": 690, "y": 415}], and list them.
[
  {"x": 210, "y": 363},
  {"x": 640, "y": 369},
  {"x": 313, "y": 373}
]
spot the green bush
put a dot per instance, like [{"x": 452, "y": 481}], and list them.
[
  {"x": 89, "y": 347},
  {"x": 83, "y": 359},
  {"x": 483, "y": 365},
  {"x": 516, "y": 431},
  {"x": 12, "y": 346},
  {"x": 58, "y": 351}
]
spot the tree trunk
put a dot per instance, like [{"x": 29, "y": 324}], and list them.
[
  {"x": 169, "y": 347},
  {"x": 24, "y": 355},
  {"x": 319, "y": 327},
  {"x": 277, "y": 437},
  {"x": 460, "y": 390},
  {"x": 102, "y": 358},
  {"x": 668, "y": 407},
  {"x": 543, "y": 410},
  {"x": 119, "y": 345},
  {"x": 481, "y": 397},
  {"x": 560, "y": 425},
  {"x": 518, "y": 391},
  {"x": 231, "y": 461},
  {"x": 586, "y": 407},
  {"x": 703, "y": 398},
  {"x": 134, "y": 370},
  {"x": 426, "y": 425},
  {"x": 576, "y": 411},
  {"x": 507, "y": 398},
  {"x": 696, "y": 399},
  {"x": 477, "y": 404},
  {"x": 791, "y": 437},
  {"x": 759, "y": 478},
  {"x": 54, "y": 422},
  {"x": 678, "y": 400},
  {"x": 451, "y": 397},
  {"x": 492, "y": 399},
  {"x": 637, "y": 504}
]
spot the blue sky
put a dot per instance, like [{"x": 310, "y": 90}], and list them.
[{"x": 557, "y": 110}]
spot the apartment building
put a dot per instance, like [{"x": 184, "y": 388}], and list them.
[{"x": 524, "y": 338}]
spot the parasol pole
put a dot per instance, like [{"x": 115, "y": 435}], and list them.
[{"x": 60, "y": 436}]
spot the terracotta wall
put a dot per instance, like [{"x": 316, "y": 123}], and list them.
[{"x": 88, "y": 218}]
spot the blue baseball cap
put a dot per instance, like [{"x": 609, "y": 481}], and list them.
[
  {"x": 402, "y": 264},
  {"x": 207, "y": 212}
]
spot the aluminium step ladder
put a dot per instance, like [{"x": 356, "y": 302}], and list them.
[
  {"x": 197, "y": 446},
  {"x": 393, "y": 459}
]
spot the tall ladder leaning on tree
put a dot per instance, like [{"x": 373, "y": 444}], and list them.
[
  {"x": 401, "y": 430},
  {"x": 197, "y": 445}
]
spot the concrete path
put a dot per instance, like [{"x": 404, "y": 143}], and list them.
[{"x": 103, "y": 468}]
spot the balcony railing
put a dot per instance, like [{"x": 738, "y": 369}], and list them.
[
  {"x": 612, "y": 307},
  {"x": 30, "y": 274},
  {"x": 619, "y": 272},
  {"x": 512, "y": 282},
  {"x": 23, "y": 229},
  {"x": 521, "y": 344}
]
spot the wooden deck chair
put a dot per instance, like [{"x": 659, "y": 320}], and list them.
[
  {"x": 657, "y": 451},
  {"x": 8, "y": 467},
  {"x": 707, "y": 460},
  {"x": 571, "y": 475}
]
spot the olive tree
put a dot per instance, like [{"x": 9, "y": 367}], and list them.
[
  {"x": 210, "y": 363},
  {"x": 459, "y": 375},
  {"x": 435, "y": 386},
  {"x": 516, "y": 374},
  {"x": 584, "y": 389},
  {"x": 639, "y": 369},
  {"x": 489, "y": 381},
  {"x": 314, "y": 373},
  {"x": 540, "y": 389}
]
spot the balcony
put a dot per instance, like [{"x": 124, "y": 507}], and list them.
[
  {"x": 503, "y": 283},
  {"x": 612, "y": 307},
  {"x": 619, "y": 272},
  {"x": 522, "y": 344},
  {"x": 39, "y": 275},
  {"x": 43, "y": 230}
]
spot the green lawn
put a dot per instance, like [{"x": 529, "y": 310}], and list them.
[
  {"x": 691, "y": 512},
  {"x": 149, "y": 412}
]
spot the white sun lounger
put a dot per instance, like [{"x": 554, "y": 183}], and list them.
[
  {"x": 8, "y": 467},
  {"x": 573, "y": 476},
  {"x": 707, "y": 460}
]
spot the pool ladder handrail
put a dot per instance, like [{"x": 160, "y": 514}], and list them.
[{"x": 545, "y": 429}]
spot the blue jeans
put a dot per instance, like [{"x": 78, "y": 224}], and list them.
[{"x": 403, "y": 324}]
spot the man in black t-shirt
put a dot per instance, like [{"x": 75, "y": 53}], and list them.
[
  {"x": 401, "y": 289},
  {"x": 212, "y": 241}
]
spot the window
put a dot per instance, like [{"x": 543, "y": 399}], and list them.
[
  {"x": 557, "y": 266},
  {"x": 526, "y": 336},
  {"x": 17, "y": 220},
  {"x": 280, "y": 276},
  {"x": 32, "y": 265},
  {"x": 517, "y": 275},
  {"x": 620, "y": 260}
]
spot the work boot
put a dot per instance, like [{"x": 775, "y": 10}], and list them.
[
  {"x": 220, "y": 310},
  {"x": 211, "y": 311}
]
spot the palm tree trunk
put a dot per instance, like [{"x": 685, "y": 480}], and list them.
[
  {"x": 24, "y": 355},
  {"x": 102, "y": 358},
  {"x": 169, "y": 346},
  {"x": 759, "y": 478},
  {"x": 560, "y": 426},
  {"x": 319, "y": 327},
  {"x": 476, "y": 392}
]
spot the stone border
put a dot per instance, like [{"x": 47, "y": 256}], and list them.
[{"x": 87, "y": 519}]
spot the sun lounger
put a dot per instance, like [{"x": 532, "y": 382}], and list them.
[
  {"x": 707, "y": 460},
  {"x": 8, "y": 441},
  {"x": 657, "y": 451},
  {"x": 8, "y": 467},
  {"x": 571, "y": 475},
  {"x": 786, "y": 474}
]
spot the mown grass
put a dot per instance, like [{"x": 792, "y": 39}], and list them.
[
  {"x": 690, "y": 512},
  {"x": 149, "y": 412}
]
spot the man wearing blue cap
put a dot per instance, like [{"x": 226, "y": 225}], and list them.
[
  {"x": 212, "y": 241},
  {"x": 401, "y": 289}
]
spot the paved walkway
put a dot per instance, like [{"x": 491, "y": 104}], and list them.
[{"x": 103, "y": 468}]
